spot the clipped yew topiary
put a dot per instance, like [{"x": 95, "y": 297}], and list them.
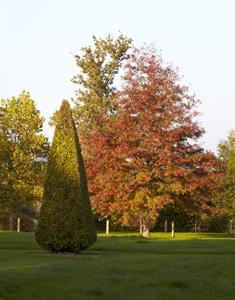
[{"x": 66, "y": 221}]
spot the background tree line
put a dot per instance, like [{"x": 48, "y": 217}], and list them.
[{"x": 140, "y": 140}]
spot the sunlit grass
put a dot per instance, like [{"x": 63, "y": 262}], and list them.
[{"x": 121, "y": 266}]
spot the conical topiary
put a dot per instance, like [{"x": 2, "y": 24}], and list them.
[{"x": 66, "y": 222}]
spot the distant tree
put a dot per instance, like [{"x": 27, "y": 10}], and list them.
[
  {"x": 22, "y": 147},
  {"x": 66, "y": 222},
  {"x": 98, "y": 65},
  {"x": 226, "y": 151}
]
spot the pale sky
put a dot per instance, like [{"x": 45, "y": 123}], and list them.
[{"x": 39, "y": 39}]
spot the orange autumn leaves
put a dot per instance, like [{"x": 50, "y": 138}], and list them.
[{"x": 146, "y": 154}]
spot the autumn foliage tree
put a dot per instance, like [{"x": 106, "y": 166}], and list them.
[{"x": 147, "y": 154}]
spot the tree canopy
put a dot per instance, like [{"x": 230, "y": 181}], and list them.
[
  {"x": 98, "y": 66},
  {"x": 147, "y": 154},
  {"x": 23, "y": 146}
]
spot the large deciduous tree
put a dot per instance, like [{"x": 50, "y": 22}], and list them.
[
  {"x": 141, "y": 140},
  {"x": 147, "y": 154},
  {"x": 66, "y": 222},
  {"x": 23, "y": 146}
]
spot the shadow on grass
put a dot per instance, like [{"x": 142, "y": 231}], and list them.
[{"x": 63, "y": 254}]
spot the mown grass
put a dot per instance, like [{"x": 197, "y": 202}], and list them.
[{"x": 121, "y": 266}]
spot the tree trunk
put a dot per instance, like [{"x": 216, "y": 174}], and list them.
[
  {"x": 230, "y": 226},
  {"x": 173, "y": 229},
  {"x": 141, "y": 226},
  {"x": 107, "y": 226},
  {"x": 145, "y": 230},
  {"x": 195, "y": 225},
  {"x": 35, "y": 223},
  {"x": 165, "y": 226},
  {"x": 11, "y": 222}
]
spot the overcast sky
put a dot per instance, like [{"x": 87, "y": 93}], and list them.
[{"x": 39, "y": 39}]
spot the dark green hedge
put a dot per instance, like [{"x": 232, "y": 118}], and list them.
[{"x": 66, "y": 222}]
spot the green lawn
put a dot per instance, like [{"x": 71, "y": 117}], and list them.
[{"x": 121, "y": 266}]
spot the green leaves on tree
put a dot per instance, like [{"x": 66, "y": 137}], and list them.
[
  {"x": 22, "y": 149},
  {"x": 66, "y": 222},
  {"x": 98, "y": 66}
]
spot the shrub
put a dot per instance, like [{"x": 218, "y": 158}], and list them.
[{"x": 66, "y": 222}]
